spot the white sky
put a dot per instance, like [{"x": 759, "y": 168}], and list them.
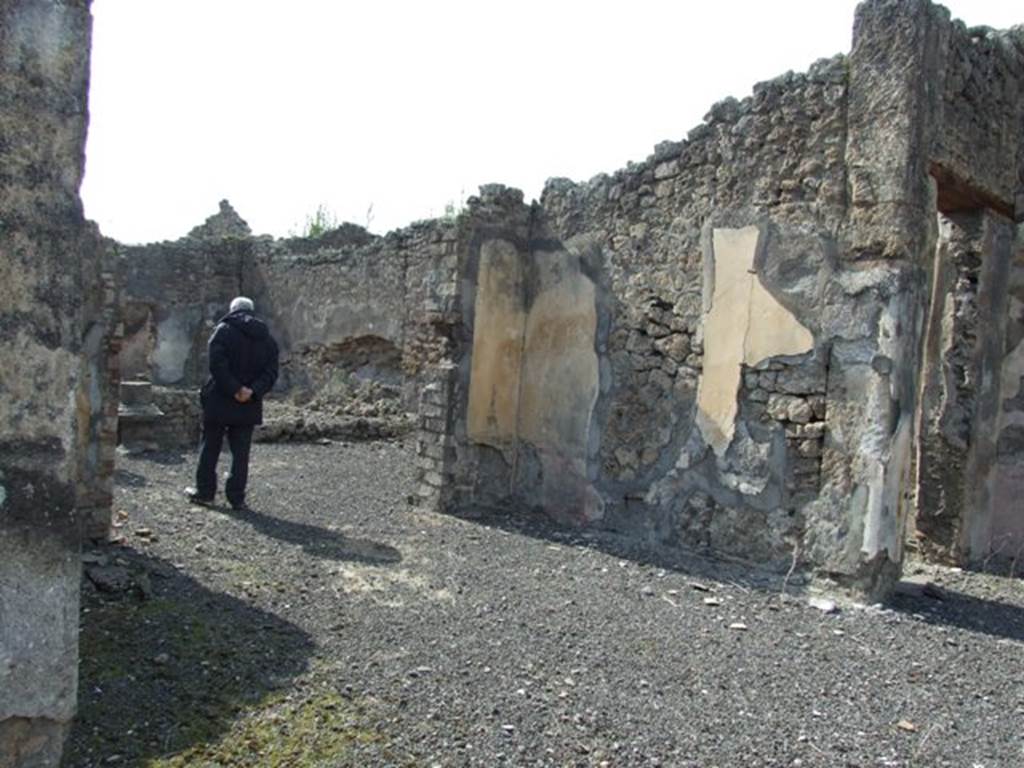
[{"x": 409, "y": 105}]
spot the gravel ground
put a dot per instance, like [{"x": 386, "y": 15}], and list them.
[{"x": 336, "y": 625}]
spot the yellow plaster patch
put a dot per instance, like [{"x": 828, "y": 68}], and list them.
[
  {"x": 560, "y": 378},
  {"x": 497, "y": 345},
  {"x": 744, "y": 325}
]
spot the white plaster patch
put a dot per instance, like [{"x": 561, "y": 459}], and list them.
[
  {"x": 744, "y": 324},
  {"x": 174, "y": 343}
]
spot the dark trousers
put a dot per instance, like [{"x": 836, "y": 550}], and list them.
[{"x": 240, "y": 441}]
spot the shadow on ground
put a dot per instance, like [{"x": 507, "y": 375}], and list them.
[
  {"x": 940, "y": 606},
  {"x": 318, "y": 542},
  {"x": 947, "y": 607},
  {"x": 698, "y": 565},
  {"x": 167, "y": 664}
]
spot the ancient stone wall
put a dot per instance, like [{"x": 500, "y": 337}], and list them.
[
  {"x": 99, "y": 388},
  {"x": 721, "y": 346},
  {"x": 976, "y": 153},
  {"x": 348, "y": 307},
  {"x": 964, "y": 478},
  {"x": 48, "y": 321},
  {"x": 171, "y": 296}
]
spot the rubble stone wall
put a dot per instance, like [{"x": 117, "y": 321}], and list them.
[
  {"x": 50, "y": 383},
  {"x": 171, "y": 295},
  {"x": 348, "y": 307},
  {"x": 740, "y": 317},
  {"x": 354, "y": 314},
  {"x": 960, "y": 406},
  {"x": 977, "y": 149}
]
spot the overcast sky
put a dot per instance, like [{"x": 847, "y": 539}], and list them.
[{"x": 384, "y": 111}]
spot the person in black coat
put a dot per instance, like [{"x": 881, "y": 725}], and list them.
[{"x": 243, "y": 368}]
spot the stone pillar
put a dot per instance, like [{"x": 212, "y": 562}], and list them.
[
  {"x": 101, "y": 380},
  {"x": 878, "y": 298},
  {"x": 435, "y": 451},
  {"x": 44, "y": 412}
]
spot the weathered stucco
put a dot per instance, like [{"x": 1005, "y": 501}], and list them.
[
  {"x": 497, "y": 346},
  {"x": 744, "y": 325},
  {"x": 1000, "y": 533},
  {"x": 534, "y": 372}
]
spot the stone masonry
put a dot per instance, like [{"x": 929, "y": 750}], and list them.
[{"x": 54, "y": 327}]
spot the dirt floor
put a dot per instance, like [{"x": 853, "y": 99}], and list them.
[{"x": 335, "y": 625}]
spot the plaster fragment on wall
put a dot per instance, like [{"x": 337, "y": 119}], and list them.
[
  {"x": 744, "y": 324},
  {"x": 561, "y": 371},
  {"x": 500, "y": 321},
  {"x": 174, "y": 344}
]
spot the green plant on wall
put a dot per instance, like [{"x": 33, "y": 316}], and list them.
[
  {"x": 453, "y": 208},
  {"x": 320, "y": 221}
]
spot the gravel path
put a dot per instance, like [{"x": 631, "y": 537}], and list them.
[{"x": 336, "y": 625}]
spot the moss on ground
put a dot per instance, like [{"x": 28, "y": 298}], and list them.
[
  {"x": 193, "y": 677},
  {"x": 317, "y": 731}
]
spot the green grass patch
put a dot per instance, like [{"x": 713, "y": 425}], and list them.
[{"x": 316, "y": 731}]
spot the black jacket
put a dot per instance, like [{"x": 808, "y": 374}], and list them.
[{"x": 242, "y": 353}]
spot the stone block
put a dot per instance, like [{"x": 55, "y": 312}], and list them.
[
  {"x": 789, "y": 408},
  {"x": 801, "y": 380}
]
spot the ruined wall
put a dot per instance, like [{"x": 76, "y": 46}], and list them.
[
  {"x": 172, "y": 293},
  {"x": 697, "y": 243},
  {"x": 45, "y": 410},
  {"x": 719, "y": 346},
  {"x": 976, "y": 153},
  {"x": 691, "y": 296},
  {"x": 960, "y": 404},
  {"x": 740, "y": 317},
  {"x": 355, "y": 315},
  {"x": 966, "y": 478},
  {"x": 347, "y": 307}
]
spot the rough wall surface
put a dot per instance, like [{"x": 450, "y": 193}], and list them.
[
  {"x": 963, "y": 373},
  {"x": 349, "y": 305},
  {"x": 756, "y": 298},
  {"x": 1005, "y": 527},
  {"x": 98, "y": 390},
  {"x": 349, "y": 309},
  {"x": 171, "y": 293},
  {"x": 44, "y": 412},
  {"x": 982, "y": 113}
]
